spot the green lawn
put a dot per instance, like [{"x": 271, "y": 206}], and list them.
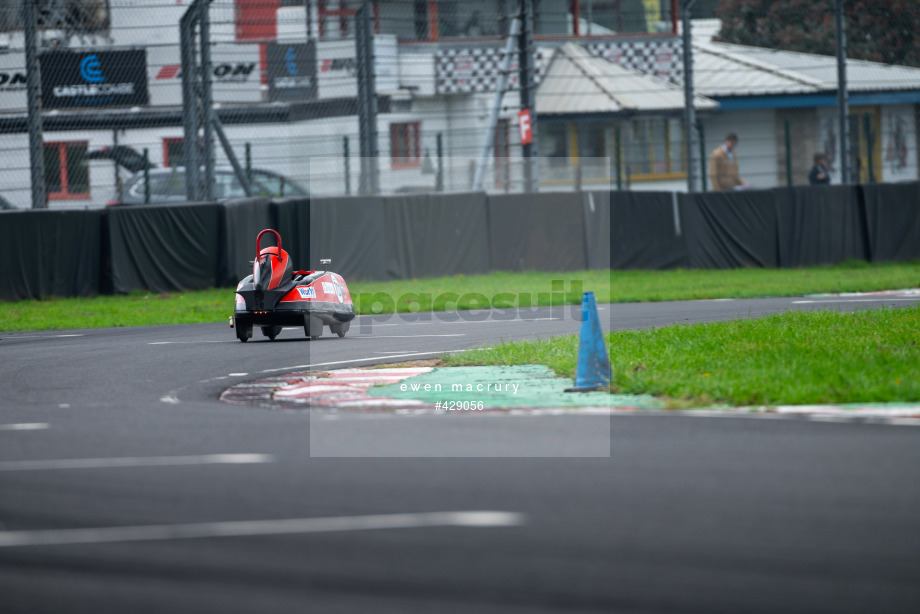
[
  {"x": 472, "y": 291},
  {"x": 792, "y": 358}
]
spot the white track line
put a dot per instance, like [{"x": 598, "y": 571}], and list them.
[
  {"x": 24, "y": 426},
  {"x": 187, "y": 342},
  {"x": 357, "y": 360},
  {"x": 14, "y": 336},
  {"x": 57, "y": 537},
  {"x": 149, "y": 461},
  {"x": 856, "y": 300},
  {"x": 373, "y": 336}
]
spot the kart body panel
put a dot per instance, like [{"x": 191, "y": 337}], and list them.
[{"x": 275, "y": 296}]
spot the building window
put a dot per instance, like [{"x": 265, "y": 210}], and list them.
[
  {"x": 405, "y": 150},
  {"x": 431, "y": 20},
  {"x": 471, "y": 18},
  {"x": 256, "y": 19},
  {"x": 173, "y": 151},
  {"x": 66, "y": 170},
  {"x": 553, "y": 143},
  {"x": 655, "y": 149},
  {"x": 76, "y": 16}
]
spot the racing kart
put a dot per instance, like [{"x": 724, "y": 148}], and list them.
[{"x": 276, "y": 295}]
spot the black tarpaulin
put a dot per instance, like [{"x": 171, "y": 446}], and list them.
[
  {"x": 242, "y": 221},
  {"x": 350, "y": 231},
  {"x": 49, "y": 253},
  {"x": 596, "y": 212},
  {"x": 643, "y": 233},
  {"x": 433, "y": 236},
  {"x": 543, "y": 232},
  {"x": 163, "y": 248},
  {"x": 819, "y": 225},
  {"x": 893, "y": 221},
  {"x": 726, "y": 230},
  {"x": 292, "y": 219}
]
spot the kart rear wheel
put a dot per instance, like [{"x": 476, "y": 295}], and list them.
[
  {"x": 271, "y": 331},
  {"x": 243, "y": 331},
  {"x": 340, "y": 329}
]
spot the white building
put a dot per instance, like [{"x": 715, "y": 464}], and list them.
[{"x": 436, "y": 69}]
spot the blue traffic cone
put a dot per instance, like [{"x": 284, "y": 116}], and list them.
[{"x": 593, "y": 362}]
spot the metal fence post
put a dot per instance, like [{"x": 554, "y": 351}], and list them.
[
  {"x": 439, "y": 182},
  {"x": 34, "y": 96},
  {"x": 528, "y": 94},
  {"x": 204, "y": 35},
  {"x": 367, "y": 99},
  {"x": 686, "y": 7},
  {"x": 347, "y": 166},
  {"x": 702, "y": 132},
  {"x": 248, "y": 161},
  {"x": 190, "y": 114},
  {"x": 788, "y": 153},
  {"x": 146, "y": 176},
  {"x": 843, "y": 101}
]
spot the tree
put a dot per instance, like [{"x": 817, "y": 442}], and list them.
[{"x": 878, "y": 30}]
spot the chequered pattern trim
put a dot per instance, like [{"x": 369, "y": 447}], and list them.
[
  {"x": 662, "y": 59},
  {"x": 476, "y": 69}
]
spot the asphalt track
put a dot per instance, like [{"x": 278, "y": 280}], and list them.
[{"x": 126, "y": 486}]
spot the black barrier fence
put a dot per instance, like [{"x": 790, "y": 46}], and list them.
[{"x": 163, "y": 248}]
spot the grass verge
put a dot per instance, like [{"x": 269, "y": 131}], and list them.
[
  {"x": 478, "y": 291},
  {"x": 794, "y": 358}
]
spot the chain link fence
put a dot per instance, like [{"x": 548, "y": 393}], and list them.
[{"x": 283, "y": 79}]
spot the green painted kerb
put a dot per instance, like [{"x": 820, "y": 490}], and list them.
[{"x": 517, "y": 386}]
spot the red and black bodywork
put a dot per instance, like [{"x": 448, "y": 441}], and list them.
[{"x": 276, "y": 295}]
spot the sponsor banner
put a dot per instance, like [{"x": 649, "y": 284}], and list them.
[
  {"x": 337, "y": 67},
  {"x": 235, "y": 74},
  {"x": 306, "y": 292},
  {"x": 525, "y": 127},
  {"x": 12, "y": 82},
  {"x": 90, "y": 79},
  {"x": 291, "y": 72}
]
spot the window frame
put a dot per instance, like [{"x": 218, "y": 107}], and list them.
[
  {"x": 11, "y": 18},
  {"x": 167, "y": 141},
  {"x": 412, "y": 140},
  {"x": 575, "y": 12},
  {"x": 670, "y": 174},
  {"x": 65, "y": 193}
]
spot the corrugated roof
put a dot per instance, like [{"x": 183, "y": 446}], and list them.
[
  {"x": 724, "y": 69},
  {"x": 862, "y": 76},
  {"x": 721, "y": 72},
  {"x": 578, "y": 82}
]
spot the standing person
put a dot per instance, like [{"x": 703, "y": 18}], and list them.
[
  {"x": 819, "y": 174},
  {"x": 723, "y": 166}
]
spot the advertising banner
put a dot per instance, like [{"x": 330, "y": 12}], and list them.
[
  {"x": 236, "y": 77},
  {"x": 94, "y": 79},
  {"x": 291, "y": 71}
]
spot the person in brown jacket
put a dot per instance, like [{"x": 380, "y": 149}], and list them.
[{"x": 723, "y": 166}]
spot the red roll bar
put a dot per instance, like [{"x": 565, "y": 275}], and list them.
[{"x": 259, "y": 239}]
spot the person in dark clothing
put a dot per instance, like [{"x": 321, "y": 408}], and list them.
[{"x": 819, "y": 174}]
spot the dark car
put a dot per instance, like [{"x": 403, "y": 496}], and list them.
[
  {"x": 6, "y": 205},
  {"x": 167, "y": 185}
]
